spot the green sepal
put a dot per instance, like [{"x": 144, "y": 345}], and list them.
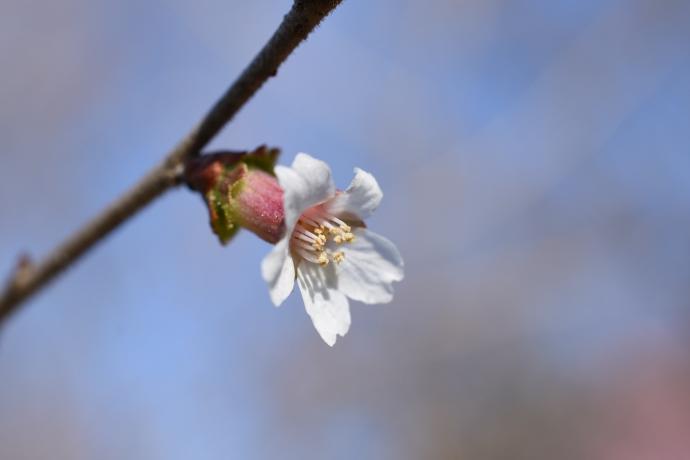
[
  {"x": 219, "y": 177},
  {"x": 223, "y": 221},
  {"x": 262, "y": 158}
]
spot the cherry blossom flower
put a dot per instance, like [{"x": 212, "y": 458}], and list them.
[{"x": 327, "y": 248}]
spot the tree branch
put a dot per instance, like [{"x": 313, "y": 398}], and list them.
[{"x": 28, "y": 277}]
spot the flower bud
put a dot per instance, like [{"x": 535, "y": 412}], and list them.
[{"x": 240, "y": 190}]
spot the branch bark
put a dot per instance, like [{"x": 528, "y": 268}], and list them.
[{"x": 28, "y": 277}]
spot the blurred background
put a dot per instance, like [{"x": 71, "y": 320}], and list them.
[{"x": 535, "y": 159}]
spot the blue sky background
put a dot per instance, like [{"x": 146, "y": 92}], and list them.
[{"x": 535, "y": 161}]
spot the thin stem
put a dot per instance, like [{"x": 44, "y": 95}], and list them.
[{"x": 28, "y": 277}]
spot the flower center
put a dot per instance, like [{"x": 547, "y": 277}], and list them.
[{"x": 318, "y": 236}]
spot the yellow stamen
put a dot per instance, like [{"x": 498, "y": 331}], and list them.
[{"x": 338, "y": 256}]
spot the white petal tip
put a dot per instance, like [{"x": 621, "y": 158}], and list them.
[
  {"x": 361, "y": 198},
  {"x": 277, "y": 301},
  {"x": 303, "y": 156},
  {"x": 278, "y": 270},
  {"x": 330, "y": 337}
]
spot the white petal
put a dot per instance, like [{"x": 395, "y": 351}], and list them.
[
  {"x": 361, "y": 198},
  {"x": 314, "y": 171},
  {"x": 372, "y": 263},
  {"x": 328, "y": 308},
  {"x": 306, "y": 184},
  {"x": 278, "y": 270}
]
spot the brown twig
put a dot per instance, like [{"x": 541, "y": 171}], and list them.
[{"x": 29, "y": 277}]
